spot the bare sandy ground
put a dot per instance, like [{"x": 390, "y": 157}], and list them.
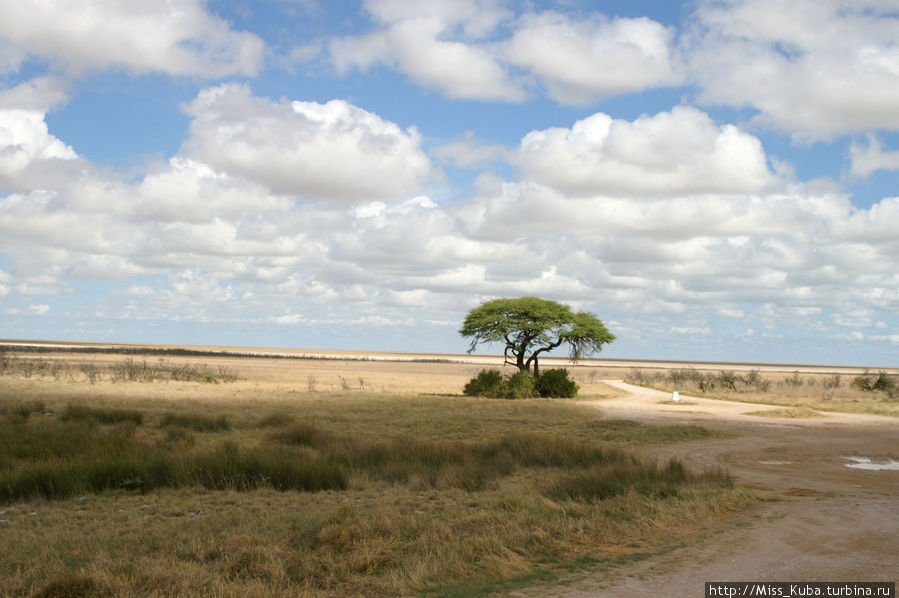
[{"x": 836, "y": 524}]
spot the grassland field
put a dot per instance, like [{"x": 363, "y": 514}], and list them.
[{"x": 137, "y": 475}]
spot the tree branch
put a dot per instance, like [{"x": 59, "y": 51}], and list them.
[{"x": 543, "y": 349}]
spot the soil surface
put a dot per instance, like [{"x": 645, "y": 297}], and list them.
[{"x": 835, "y": 523}]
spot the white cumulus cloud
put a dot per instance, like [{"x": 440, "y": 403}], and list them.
[
  {"x": 180, "y": 38},
  {"x": 583, "y": 60},
  {"x": 418, "y": 39},
  {"x": 671, "y": 153},
  {"x": 813, "y": 68},
  {"x": 871, "y": 157},
  {"x": 314, "y": 151},
  {"x": 478, "y": 49},
  {"x": 25, "y": 141}
]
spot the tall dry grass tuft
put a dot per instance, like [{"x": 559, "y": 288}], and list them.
[
  {"x": 629, "y": 475},
  {"x": 195, "y": 422},
  {"x": 60, "y": 459},
  {"x": 102, "y": 416}
]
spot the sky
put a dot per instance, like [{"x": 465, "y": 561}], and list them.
[{"x": 715, "y": 179}]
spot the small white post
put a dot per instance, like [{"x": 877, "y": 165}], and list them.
[{"x": 675, "y": 397}]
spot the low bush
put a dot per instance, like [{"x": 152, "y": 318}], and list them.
[
  {"x": 794, "y": 381},
  {"x": 728, "y": 379},
  {"x": 881, "y": 382},
  {"x": 487, "y": 383},
  {"x": 557, "y": 384},
  {"x": 522, "y": 384}
]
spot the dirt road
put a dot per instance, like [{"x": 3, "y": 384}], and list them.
[{"x": 837, "y": 524}]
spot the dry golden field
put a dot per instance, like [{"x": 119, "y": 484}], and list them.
[
  {"x": 415, "y": 489},
  {"x": 427, "y": 492}
]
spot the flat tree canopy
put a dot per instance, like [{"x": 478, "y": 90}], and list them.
[{"x": 529, "y": 326}]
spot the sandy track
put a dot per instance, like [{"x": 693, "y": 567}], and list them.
[{"x": 841, "y": 524}]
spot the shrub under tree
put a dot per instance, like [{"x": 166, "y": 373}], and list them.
[
  {"x": 491, "y": 383},
  {"x": 555, "y": 383}
]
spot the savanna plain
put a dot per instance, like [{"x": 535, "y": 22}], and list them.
[{"x": 143, "y": 471}]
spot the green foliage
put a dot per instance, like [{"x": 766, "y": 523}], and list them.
[
  {"x": 556, "y": 383},
  {"x": 492, "y": 384},
  {"x": 487, "y": 383},
  {"x": 520, "y": 385},
  {"x": 529, "y": 326}
]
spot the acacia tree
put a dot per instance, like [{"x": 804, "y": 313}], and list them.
[{"x": 530, "y": 326}]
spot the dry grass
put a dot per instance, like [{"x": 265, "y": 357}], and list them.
[
  {"x": 444, "y": 493},
  {"x": 788, "y": 412},
  {"x": 797, "y": 393}
]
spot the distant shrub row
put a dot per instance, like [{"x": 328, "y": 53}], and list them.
[
  {"x": 880, "y": 382},
  {"x": 521, "y": 385},
  {"x": 127, "y": 370}
]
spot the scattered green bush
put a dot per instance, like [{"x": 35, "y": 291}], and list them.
[
  {"x": 521, "y": 385},
  {"x": 557, "y": 384},
  {"x": 487, "y": 383}
]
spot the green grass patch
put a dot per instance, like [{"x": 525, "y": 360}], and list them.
[
  {"x": 622, "y": 476},
  {"x": 102, "y": 416},
  {"x": 58, "y": 459},
  {"x": 628, "y": 432},
  {"x": 195, "y": 422}
]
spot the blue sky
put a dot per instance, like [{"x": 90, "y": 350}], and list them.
[{"x": 715, "y": 179}]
